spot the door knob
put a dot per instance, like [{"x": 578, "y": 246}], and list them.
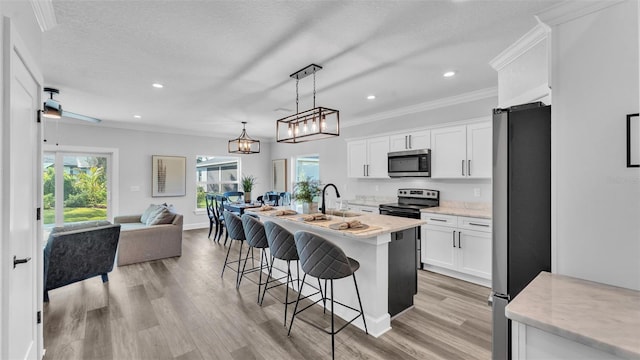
[{"x": 19, "y": 261}]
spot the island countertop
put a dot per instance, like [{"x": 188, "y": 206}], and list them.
[
  {"x": 376, "y": 224},
  {"x": 600, "y": 316}
]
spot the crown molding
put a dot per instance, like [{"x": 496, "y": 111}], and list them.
[
  {"x": 573, "y": 9},
  {"x": 532, "y": 38},
  {"x": 426, "y": 106},
  {"x": 45, "y": 15}
]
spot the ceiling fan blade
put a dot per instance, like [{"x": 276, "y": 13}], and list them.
[{"x": 79, "y": 117}]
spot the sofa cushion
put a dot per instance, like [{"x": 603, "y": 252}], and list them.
[
  {"x": 152, "y": 209},
  {"x": 163, "y": 216}
]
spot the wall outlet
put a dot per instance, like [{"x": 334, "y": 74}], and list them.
[
  {"x": 135, "y": 188},
  {"x": 476, "y": 192}
]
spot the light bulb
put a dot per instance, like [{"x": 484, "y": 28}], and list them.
[
  {"x": 289, "y": 132},
  {"x": 297, "y": 130},
  {"x": 324, "y": 123},
  {"x": 304, "y": 127},
  {"x": 314, "y": 127}
]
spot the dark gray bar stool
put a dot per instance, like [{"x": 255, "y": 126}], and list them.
[
  {"x": 323, "y": 259},
  {"x": 256, "y": 239},
  {"x": 235, "y": 232}
]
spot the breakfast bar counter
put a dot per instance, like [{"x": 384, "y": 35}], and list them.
[{"x": 382, "y": 240}]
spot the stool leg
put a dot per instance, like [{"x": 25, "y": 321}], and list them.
[
  {"x": 260, "y": 278},
  {"x": 268, "y": 277},
  {"x": 295, "y": 309},
  {"x": 324, "y": 298},
  {"x": 324, "y": 311},
  {"x": 298, "y": 273},
  {"x": 333, "y": 333},
  {"x": 286, "y": 293},
  {"x": 225, "y": 260},
  {"x": 360, "y": 303},
  {"x": 241, "y": 274}
]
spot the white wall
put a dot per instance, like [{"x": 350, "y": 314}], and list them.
[
  {"x": 333, "y": 155},
  {"x": 135, "y": 149},
  {"x": 595, "y": 84}
]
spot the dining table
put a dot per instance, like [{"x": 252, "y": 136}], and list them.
[{"x": 240, "y": 207}]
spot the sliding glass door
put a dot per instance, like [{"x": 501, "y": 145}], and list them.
[{"x": 76, "y": 187}]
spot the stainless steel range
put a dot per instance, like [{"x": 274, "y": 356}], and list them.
[{"x": 410, "y": 202}]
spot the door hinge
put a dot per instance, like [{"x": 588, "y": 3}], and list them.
[
  {"x": 39, "y": 317},
  {"x": 37, "y": 214},
  {"x": 38, "y": 117}
]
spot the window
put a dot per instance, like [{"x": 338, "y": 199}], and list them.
[
  {"x": 308, "y": 166},
  {"x": 216, "y": 174}
]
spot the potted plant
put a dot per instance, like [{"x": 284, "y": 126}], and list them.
[
  {"x": 247, "y": 182},
  {"x": 305, "y": 191}
]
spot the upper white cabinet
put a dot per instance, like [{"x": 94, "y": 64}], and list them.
[
  {"x": 367, "y": 158},
  {"x": 413, "y": 141},
  {"x": 462, "y": 151}
]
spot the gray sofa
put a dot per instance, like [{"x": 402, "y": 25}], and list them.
[
  {"x": 79, "y": 251},
  {"x": 140, "y": 242}
]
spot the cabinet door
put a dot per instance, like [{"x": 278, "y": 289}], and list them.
[
  {"x": 437, "y": 246},
  {"x": 420, "y": 140},
  {"x": 378, "y": 148},
  {"x": 356, "y": 158},
  {"x": 474, "y": 253},
  {"x": 399, "y": 142},
  {"x": 449, "y": 152},
  {"x": 479, "y": 150}
]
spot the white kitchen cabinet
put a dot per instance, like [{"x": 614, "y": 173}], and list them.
[
  {"x": 457, "y": 246},
  {"x": 462, "y": 151},
  {"x": 367, "y": 158},
  {"x": 413, "y": 141}
]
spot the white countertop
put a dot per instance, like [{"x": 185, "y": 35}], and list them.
[
  {"x": 460, "y": 208},
  {"x": 597, "y": 315},
  {"x": 377, "y": 224}
]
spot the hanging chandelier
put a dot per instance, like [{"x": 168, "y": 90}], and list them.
[
  {"x": 313, "y": 124},
  {"x": 244, "y": 144}
]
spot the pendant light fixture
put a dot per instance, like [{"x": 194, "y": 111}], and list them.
[
  {"x": 51, "y": 109},
  {"x": 313, "y": 124},
  {"x": 244, "y": 144}
]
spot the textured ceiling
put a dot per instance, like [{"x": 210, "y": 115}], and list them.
[{"x": 223, "y": 62}]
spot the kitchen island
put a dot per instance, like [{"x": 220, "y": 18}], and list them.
[{"x": 384, "y": 248}]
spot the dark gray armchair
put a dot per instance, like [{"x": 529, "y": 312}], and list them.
[{"x": 79, "y": 251}]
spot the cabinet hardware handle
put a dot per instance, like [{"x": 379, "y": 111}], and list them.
[
  {"x": 469, "y": 167},
  {"x": 459, "y": 240},
  {"x": 364, "y": 210},
  {"x": 17, "y": 261},
  {"x": 367, "y": 169},
  {"x": 410, "y": 147},
  {"x": 454, "y": 238},
  {"x": 406, "y": 141},
  {"x": 364, "y": 170},
  {"x": 437, "y": 219},
  {"x": 462, "y": 167},
  {"x": 483, "y": 225}
]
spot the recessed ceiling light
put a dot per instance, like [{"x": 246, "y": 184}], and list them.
[
  {"x": 137, "y": 116},
  {"x": 449, "y": 74},
  {"x": 158, "y": 85},
  {"x": 371, "y": 97}
]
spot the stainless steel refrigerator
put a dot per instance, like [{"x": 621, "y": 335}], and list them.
[{"x": 521, "y": 208}]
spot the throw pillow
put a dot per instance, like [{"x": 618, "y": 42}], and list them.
[
  {"x": 164, "y": 216},
  {"x": 147, "y": 213}
]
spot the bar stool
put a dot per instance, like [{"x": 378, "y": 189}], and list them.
[
  {"x": 282, "y": 246},
  {"x": 235, "y": 231},
  {"x": 322, "y": 259},
  {"x": 256, "y": 239}
]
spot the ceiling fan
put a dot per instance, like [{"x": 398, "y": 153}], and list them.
[{"x": 53, "y": 109}]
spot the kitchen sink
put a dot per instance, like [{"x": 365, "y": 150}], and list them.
[{"x": 342, "y": 213}]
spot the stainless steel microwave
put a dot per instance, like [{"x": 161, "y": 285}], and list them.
[{"x": 409, "y": 163}]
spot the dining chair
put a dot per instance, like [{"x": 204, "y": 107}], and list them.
[
  {"x": 272, "y": 198},
  {"x": 234, "y": 196},
  {"x": 210, "y": 199},
  {"x": 218, "y": 208},
  {"x": 285, "y": 198}
]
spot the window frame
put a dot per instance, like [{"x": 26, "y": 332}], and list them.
[{"x": 224, "y": 160}]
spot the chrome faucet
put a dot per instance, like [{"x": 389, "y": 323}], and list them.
[{"x": 323, "y": 190}]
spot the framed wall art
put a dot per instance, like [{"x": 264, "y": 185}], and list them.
[
  {"x": 633, "y": 140},
  {"x": 168, "y": 175}
]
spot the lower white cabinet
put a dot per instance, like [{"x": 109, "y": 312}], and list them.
[
  {"x": 364, "y": 209},
  {"x": 457, "y": 246}
]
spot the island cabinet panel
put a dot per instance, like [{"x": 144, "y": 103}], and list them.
[
  {"x": 457, "y": 246},
  {"x": 367, "y": 158}
]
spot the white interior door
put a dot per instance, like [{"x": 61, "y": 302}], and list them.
[{"x": 20, "y": 194}]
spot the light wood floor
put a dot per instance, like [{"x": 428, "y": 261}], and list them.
[{"x": 179, "y": 308}]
